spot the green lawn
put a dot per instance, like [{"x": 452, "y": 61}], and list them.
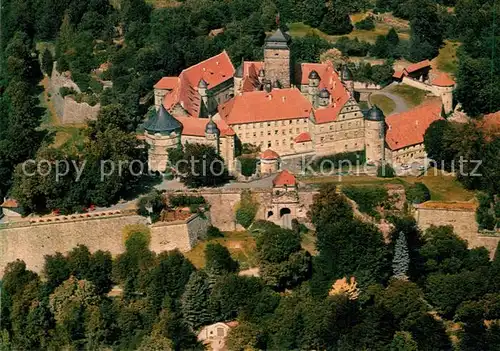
[
  {"x": 411, "y": 95},
  {"x": 447, "y": 60},
  {"x": 299, "y": 29},
  {"x": 386, "y": 104},
  {"x": 442, "y": 187},
  {"x": 240, "y": 244}
]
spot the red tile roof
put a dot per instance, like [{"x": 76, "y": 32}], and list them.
[
  {"x": 408, "y": 128},
  {"x": 10, "y": 203},
  {"x": 269, "y": 155},
  {"x": 398, "y": 74},
  {"x": 214, "y": 71},
  {"x": 261, "y": 106},
  {"x": 303, "y": 137},
  {"x": 196, "y": 126},
  {"x": 417, "y": 66},
  {"x": 285, "y": 178},
  {"x": 167, "y": 83},
  {"x": 330, "y": 80},
  {"x": 443, "y": 80}
]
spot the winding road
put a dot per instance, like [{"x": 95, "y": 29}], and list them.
[{"x": 401, "y": 105}]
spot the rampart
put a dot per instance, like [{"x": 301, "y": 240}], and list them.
[
  {"x": 32, "y": 239},
  {"x": 461, "y": 216}
]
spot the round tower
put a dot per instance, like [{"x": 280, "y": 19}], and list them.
[
  {"x": 443, "y": 87},
  {"x": 375, "y": 135},
  {"x": 348, "y": 79},
  {"x": 313, "y": 87},
  {"x": 162, "y": 132},
  {"x": 324, "y": 98},
  {"x": 212, "y": 133}
]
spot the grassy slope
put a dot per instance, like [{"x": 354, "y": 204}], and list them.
[
  {"x": 411, "y": 95},
  {"x": 442, "y": 187},
  {"x": 384, "y": 103},
  {"x": 300, "y": 29},
  {"x": 447, "y": 60},
  {"x": 240, "y": 244}
]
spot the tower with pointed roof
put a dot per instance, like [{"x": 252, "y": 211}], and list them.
[
  {"x": 375, "y": 135},
  {"x": 162, "y": 132},
  {"x": 313, "y": 88},
  {"x": 277, "y": 58},
  {"x": 212, "y": 134},
  {"x": 238, "y": 79}
]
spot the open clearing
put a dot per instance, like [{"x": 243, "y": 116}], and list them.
[
  {"x": 386, "y": 104},
  {"x": 299, "y": 29},
  {"x": 447, "y": 60},
  {"x": 442, "y": 187},
  {"x": 241, "y": 245},
  {"x": 411, "y": 95}
]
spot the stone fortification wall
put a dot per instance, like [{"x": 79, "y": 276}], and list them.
[
  {"x": 68, "y": 110},
  {"x": 31, "y": 243},
  {"x": 182, "y": 235},
  {"x": 463, "y": 222},
  {"x": 420, "y": 85}
]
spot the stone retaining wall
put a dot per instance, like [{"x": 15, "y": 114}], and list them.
[{"x": 463, "y": 222}]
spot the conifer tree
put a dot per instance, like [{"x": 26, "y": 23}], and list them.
[
  {"x": 194, "y": 301},
  {"x": 401, "y": 260}
]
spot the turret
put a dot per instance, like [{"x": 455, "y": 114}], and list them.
[
  {"x": 262, "y": 76},
  {"x": 212, "y": 133},
  {"x": 348, "y": 79},
  {"x": 324, "y": 98},
  {"x": 313, "y": 87},
  {"x": 162, "y": 132},
  {"x": 238, "y": 79},
  {"x": 375, "y": 135},
  {"x": 202, "y": 90}
]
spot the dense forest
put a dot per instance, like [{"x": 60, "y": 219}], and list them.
[{"x": 420, "y": 291}]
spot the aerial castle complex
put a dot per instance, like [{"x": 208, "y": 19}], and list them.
[{"x": 289, "y": 110}]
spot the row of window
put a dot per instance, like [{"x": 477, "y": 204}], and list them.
[
  {"x": 271, "y": 124},
  {"x": 276, "y": 132},
  {"x": 355, "y": 134}
]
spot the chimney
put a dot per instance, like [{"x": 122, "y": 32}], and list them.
[
  {"x": 270, "y": 97},
  {"x": 217, "y": 63},
  {"x": 283, "y": 98},
  {"x": 204, "y": 69}
]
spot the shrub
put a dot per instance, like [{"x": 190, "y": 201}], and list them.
[
  {"x": 353, "y": 158},
  {"x": 153, "y": 199},
  {"x": 367, "y": 198},
  {"x": 186, "y": 200},
  {"x": 214, "y": 232},
  {"x": 246, "y": 210},
  {"x": 418, "y": 193},
  {"x": 366, "y": 24},
  {"x": 385, "y": 171},
  {"x": 65, "y": 91},
  {"x": 352, "y": 47},
  {"x": 248, "y": 165}
]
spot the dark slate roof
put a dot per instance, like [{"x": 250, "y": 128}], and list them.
[
  {"x": 324, "y": 93},
  {"x": 162, "y": 122},
  {"x": 202, "y": 84},
  {"x": 313, "y": 75},
  {"x": 212, "y": 128},
  {"x": 374, "y": 114},
  {"x": 278, "y": 40}
]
